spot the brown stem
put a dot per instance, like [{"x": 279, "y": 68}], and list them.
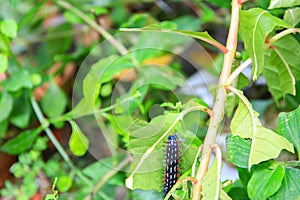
[
  {"x": 218, "y": 108},
  {"x": 119, "y": 46}
]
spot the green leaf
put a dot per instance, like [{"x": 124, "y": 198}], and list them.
[
  {"x": 9, "y": 28},
  {"x": 20, "y": 143},
  {"x": 292, "y": 16},
  {"x": 255, "y": 25},
  {"x": 283, "y": 3},
  {"x": 204, "y": 36},
  {"x": 245, "y": 119},
  {"x": 288, "y": 47},
  {"x": 265, "y": 143},
  {"x": 64, "y": 183},
  {"x": 278, "y": 75},
  {"x": 290, "y": 187},
  {"x": 265, "y": 182},
  {"x": 54, "y": 101},
  {"x": 78, "y": 142},
  {"x": 17, "y": 80},
  {"x": 21, "y": 113},
  {"x": 238, "y": 150},
  {"x": 3, "y": 62},
  {"x": 148, "y": 155},
  {"x": 288, "y": 126},
  {"x": 6, "y": 105}
]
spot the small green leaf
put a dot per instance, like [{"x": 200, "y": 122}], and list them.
[
  {"x": 283, "y": 4},
  {"x": 20, "y": 143},
  {"x": 78, "y": 142},
  {"x": 72, "y": 18},
  {"x": 9, "y": 28},
  {"x": 18, "y": 80},
  {"x": 292, "y": 16},
  {"x": 54, "y": 101},
  {"x": 290, "y": 187},
  {"x": 64, "y": 183},
  {"x": 36, "y": 79},
  {"x": 106, "y": 90},
  {"x": 265, "y": 182},
  {"x": 255, "y": 25},
  {"x": 289, "y": 126},
  {"x": 6, "y": 105},
  {"x": 3, "y": 62}
]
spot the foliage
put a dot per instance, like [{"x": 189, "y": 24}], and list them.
[{"x": 85, "y": 120}]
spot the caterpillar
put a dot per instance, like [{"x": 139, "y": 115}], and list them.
[{"x": 172, "y": 163}]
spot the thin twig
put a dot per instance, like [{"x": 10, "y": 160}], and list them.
[
  {"x": 44, "y": 122},
  {"x": 119, "y": 46},
  {"x": 218, "y": 108},
  {"x": 237, "y": 71},
  {"x": 282, "y": 34},
  {"x": 107, "y": 176}
]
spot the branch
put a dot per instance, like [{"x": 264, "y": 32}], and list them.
[
  {"x": 107, "y": 177},
  {"x": 282, "y": 34},
  {"x": 44, "y": 123},
  {"x": 218, "y": 108},
  {"x": 237, "y": 71},
  {"x": 94, "y": 25}
]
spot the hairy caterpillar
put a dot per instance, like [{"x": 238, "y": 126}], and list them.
[{"x": 172, "y": 163}]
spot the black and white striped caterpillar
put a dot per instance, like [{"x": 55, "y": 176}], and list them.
[{"x": 172, "y": 163}]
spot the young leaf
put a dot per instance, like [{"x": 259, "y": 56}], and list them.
[
  {"x": 283, "y": 4},
  {"x": 288, "y": 126},
  {"x": 255, "y": 25},
  {"x": 3, "y": 62},
  {"x": 292, "y": 16},
  {"x": 278, "y": 75},
  {"x": 19, "y": 79},
  {"x": 20, "y": 143},
  {"x": 64, "y": 183},
  {"x": 9, "y": 28},
  {"x": 265, "y": 182},
  {"x": 6, "y": 105},
  {"x": 54, "y": 101},
  {"x": 78, "y": 142}
]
